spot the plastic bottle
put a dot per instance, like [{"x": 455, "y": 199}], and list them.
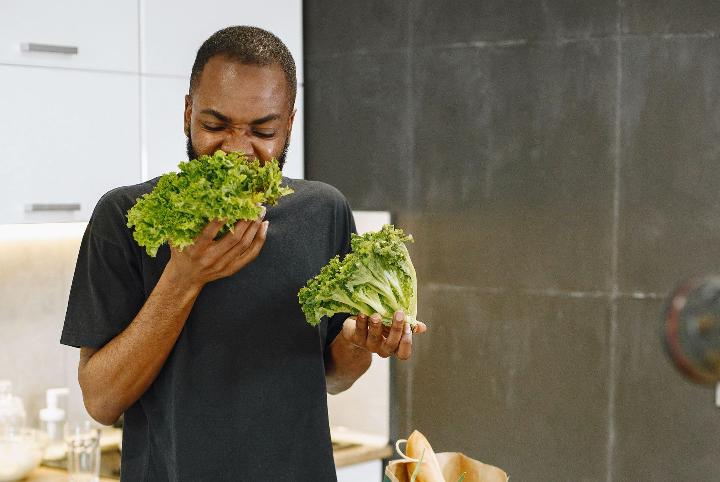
[
  {"x": 52, "y": 419},
  {"x": 12, "y": 410}
]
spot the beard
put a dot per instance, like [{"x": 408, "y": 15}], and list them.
[{"x": 192, "y": 153}]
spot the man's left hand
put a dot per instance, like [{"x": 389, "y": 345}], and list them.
[{"x": 369, "y": 333}]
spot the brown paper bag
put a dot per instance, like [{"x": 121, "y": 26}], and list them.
[
  {"x": 443, "y": 467},
  {"x": 453, "y": 464}
]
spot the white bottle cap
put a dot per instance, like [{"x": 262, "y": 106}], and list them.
[
  {"x": 5, "y": 387},
  {"x": 53, "y": 413}
]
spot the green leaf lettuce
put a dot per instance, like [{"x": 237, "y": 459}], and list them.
[
  {"x": 376, "y": 277},
  {"x": 223, "y": 186}
]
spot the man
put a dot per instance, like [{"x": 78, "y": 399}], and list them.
[{"x": 205, "y": 351}]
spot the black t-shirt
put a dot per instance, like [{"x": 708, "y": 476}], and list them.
[{"x": 242, "y": 395}]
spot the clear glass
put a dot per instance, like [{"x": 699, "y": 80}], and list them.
[
  {"x": 12, "y": 410},
  {"x": 83, "y": 451}
]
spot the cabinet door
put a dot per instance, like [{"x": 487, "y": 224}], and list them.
[
  {"x": 81, "y": 34},
  {"x": 163, "y": 135},
  {"x": 68, "y": 137},
  {"x": 295, "y": 162},
  {"x": 164, "y": 138},
  {"x": 172, "y": 30}
]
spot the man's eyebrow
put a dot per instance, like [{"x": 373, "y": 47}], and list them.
[
  {"x": 265, "y": 119},
  {"x": 226, "y": 119},
  {"x": 217, "y": 114}
]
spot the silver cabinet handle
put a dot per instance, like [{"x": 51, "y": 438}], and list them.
[
  {"x": 53, "y": 49},
  {"x": 53, "y": 207}
]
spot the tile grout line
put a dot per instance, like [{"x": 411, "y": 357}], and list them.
[
  {"x": 548, "y": 292},
  {"x": 614, "y": 257},
  {"x": 413, "y": 172},
  {"x": 517, "y": 42}
]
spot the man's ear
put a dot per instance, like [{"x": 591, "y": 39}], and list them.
[
  {"x": 188, "y": 115},
  {"x": 290, "y": 122}
]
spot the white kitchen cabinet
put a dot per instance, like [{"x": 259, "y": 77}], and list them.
[
  {"x": 164, "y": 140},
  {"x": 68, "y": 137},
  {"x": 78, "y": 122},
  {"x": 295, "y": 161},
  {"x": 78, "y": 34},
  {"x": 172, "y": 31}
]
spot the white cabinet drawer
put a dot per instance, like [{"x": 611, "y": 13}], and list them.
[
  {"x": 79, "y": 34},
  {"x": 172, "y": 31},
  {"x": 67, "y": 137}
]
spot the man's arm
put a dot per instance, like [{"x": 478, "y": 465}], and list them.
[
  {"x": 114, "y": 377},
  {"x": 350, "y": 353}
]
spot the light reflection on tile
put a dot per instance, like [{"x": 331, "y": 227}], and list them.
[{"x": 35, "y": 279}]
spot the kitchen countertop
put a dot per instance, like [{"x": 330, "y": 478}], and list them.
[
  {"x": 345, "y": 453},
  {"x": 44, "y": 474},
  {"x": 353, "y": 447},
  {"x": 356, "y": 454}
]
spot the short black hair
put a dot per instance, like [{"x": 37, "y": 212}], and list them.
[{"x": 250, "y": 46}]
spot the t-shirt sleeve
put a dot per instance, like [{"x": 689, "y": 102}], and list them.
[
  {"x": 344, "y": 227},
  {"x": 107, "y": 289}
]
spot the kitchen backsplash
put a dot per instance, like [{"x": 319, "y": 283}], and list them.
[{"x": 35, "y": 276}]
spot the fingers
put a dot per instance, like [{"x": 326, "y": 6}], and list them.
[
  {"x": 210, "y": 231},
  {"x": 241, "y": 239},
  {"x": 375, "y": 339},
  {"x": 243, "y": 232},
  {"x": 361, "y": 330},
  {"x": 372, "y": 334},
  {"x": 393, "y": 339},
  {"x": 208, "y": 260},
  {"x": 242, "y": 254},
  {"x": 405, "y": 348}
]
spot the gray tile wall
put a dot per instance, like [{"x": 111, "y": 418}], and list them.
[{"x": 557, "y": 163}]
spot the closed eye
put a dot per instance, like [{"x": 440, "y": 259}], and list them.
[
  {"x": 264, "y": 135},
  {"x": 213, "y": 128}
]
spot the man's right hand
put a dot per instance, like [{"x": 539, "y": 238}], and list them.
[{"x": 209, "y": 259}]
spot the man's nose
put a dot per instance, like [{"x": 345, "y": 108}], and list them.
[{"x": 238, "y": 142}]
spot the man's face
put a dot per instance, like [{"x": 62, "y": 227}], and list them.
[{"x": 241, "y": 108}]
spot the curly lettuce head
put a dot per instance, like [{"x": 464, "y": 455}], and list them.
[
  {"x": 222, "y": 186},
  {"x": 376, "y": 277}
]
